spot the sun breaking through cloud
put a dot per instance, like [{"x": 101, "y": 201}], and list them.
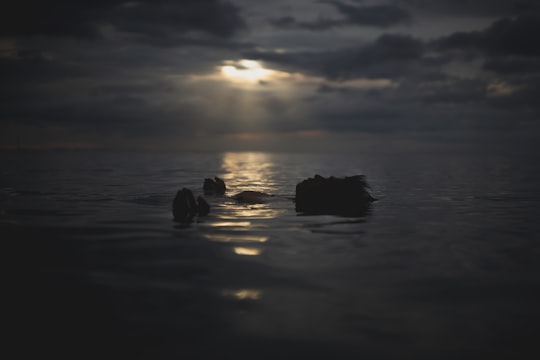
[{"x": 245, "y": 71}]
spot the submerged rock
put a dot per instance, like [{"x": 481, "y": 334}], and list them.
[
  {"x": 214, "y": 186},
  {"x": 185, "y": 208},
  {"x": 346, "y": 196},
  {"x": 251, "y": 197}
]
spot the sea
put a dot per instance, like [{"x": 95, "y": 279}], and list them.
[{"x": 444, "y": 265}]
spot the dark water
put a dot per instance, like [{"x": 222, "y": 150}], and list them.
[{"x": 445, "y": 266}]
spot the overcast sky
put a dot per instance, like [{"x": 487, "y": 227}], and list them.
[{"x": 304, "y": 75}]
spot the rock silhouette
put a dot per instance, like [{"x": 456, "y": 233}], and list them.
[
  {"x": 185, "y": 208},
  {"x": 214, "y": 186},
  {"x": 346, "y": 196},
  {"x": 203, "y": 208}
]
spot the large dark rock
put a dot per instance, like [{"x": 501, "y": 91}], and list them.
[
  {"x": 214, "y": 186},
  {"x": 346, "y": 196},
  {"x": 185, "y": 208}
]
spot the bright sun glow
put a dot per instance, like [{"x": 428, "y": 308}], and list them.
[{"x": 245, "y": 71}]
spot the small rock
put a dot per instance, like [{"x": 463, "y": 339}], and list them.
[
  {"x": 203, "y": 208},
  {"x": 184, "y": 206},
  {"x": 251, "y": 197},
  {"x": 214, "y": 186}
]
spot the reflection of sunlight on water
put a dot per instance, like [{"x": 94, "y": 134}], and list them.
[
  {"x": 242, "y": 294},
  {"x": 236, "y": 238},
  {"x": 254, "y": 212},
  {"x": 247, "y": 251},
  {"x": 235, "y": 222},
  {"x": 249, "y": 171},
  {"x": 231, "y": 224}
]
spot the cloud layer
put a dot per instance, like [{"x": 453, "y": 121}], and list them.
[
  {"x": 154, "y": 19},
  {"x": 382, "y": 16},
  {"x": 147, "y": 74}
]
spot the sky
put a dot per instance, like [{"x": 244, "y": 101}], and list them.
[{"x": 303, "y": 75}]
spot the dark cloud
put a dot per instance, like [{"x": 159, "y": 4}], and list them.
[
  {"x": 507, "y": 48},
  {"x": 290, "y": 22},
  {"x": 152, "y": 19},
  {"x": 162, "y": 19},
  {"x": 387, "y": 56},
  {"x": 33, "y": 66},
  {"x": 180, "y": 40},
  {"x": 428, "y": 96},
  {"x": 455, "y": 106},
  {"x": 54, "y": 18},
  {"x": 523, "y": 97},
  {"x": 375, "y": 15},
  {"x": 504, "y": 37},
  {"x": 375, "y": 119},
  {"x": 513, "y": 65},
  {"x": 488, "y": 8},
  {"x": 455, "y": 91},
  {"x": 126, "y": 110}
]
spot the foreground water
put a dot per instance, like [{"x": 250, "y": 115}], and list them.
[{"x": 444, "y": 266}]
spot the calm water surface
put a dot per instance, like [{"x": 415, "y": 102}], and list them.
[{"x": 445, "y": 265}]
